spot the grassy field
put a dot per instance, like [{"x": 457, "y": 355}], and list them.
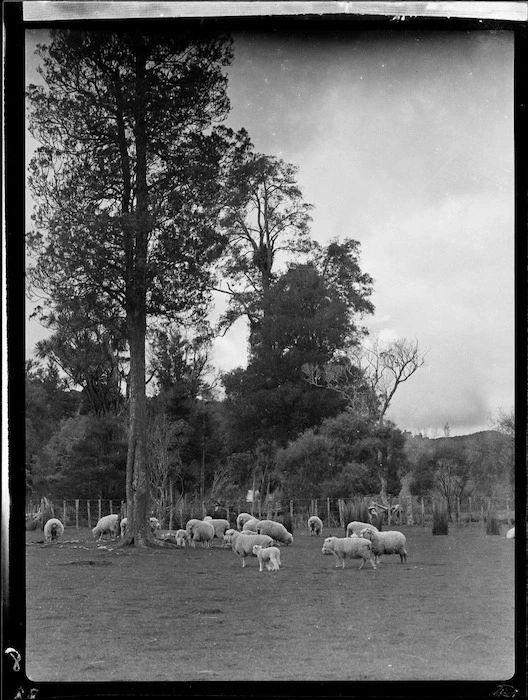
[{"x": 99, "y": 613}]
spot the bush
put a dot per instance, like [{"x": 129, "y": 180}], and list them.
[
  {"x": 440, "y": 522},
  {"x": 492, "y": 524}
]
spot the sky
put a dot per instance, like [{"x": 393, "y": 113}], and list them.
[{"x": 403, "y": 141}]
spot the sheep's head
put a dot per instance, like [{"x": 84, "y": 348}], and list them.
[
  {"x": 326, "y": 549},
  {"x": 366, "y": 533},
  {"x": 256, "y": 548}
]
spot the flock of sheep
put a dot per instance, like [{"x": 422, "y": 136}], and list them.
[{"x": 262, "y": 538}]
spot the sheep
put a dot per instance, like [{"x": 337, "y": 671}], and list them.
[
  {"x": 267, "y": 555},
  {"x": 356, "y": 526},
  {"x": 242, "y": 518},
  {"x": 154, "y": 525},
  {"x": 511, "y": 533},
  {"x": 251, "y": 525},
  {"x": 275, "y": 530},
  {"x": 182, "y": 538},
  {"x": 219, "y": 524},
  {"x": 388, "y": 542},
  {"x": 53, "y": 529},
  {"x": 315, "y": 525},
  {"x": 352, "y": 547},
  {"x": 242, "y": 545},
  {"x": 200, "y": 531},
  {"x": 108, "y": 523}
]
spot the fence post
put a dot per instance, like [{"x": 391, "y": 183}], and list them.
[
  {"x": 388, "y": 511},
  {"x": 291, "y": 511},
  {"x": 423, "y": 511},
  {"x": 508, "y": 514},
  {"x": 470, "y": 515},
  {"x": 481, "y": 511},
  {"x": 458, "y": 510},
  {"x": 99, "y": 509},
  {"x": 89, "y": 514},
  {"x": 341, "y": 516},
  {"x": 328, "y": 510},
  {"x": 77, "y": 513},
  {"x": 111, "y": 508},
  {"x": 64, "y": 513},
  {"x": 316, "y": 508}
]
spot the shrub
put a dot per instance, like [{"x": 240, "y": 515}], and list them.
[
  {"x": 440, "y": 522},
  {"x": 492, "y": 524}
]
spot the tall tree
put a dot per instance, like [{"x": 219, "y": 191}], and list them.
[
  {"x": 265, "y": 218},
  {"x": 128, "y": 182}
]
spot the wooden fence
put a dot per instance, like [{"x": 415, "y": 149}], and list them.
[{"x": 334, "y": 512}]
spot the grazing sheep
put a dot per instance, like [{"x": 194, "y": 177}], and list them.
[
  {"x": 511, "y": 533},
  {"x": 242, "y": 518},
  {"x": 388, "y": 542},
  {"x": 220, "y": 526},
  {"x": 275, "y": 530},
  {"x": 251, "y": 525},
  {"x": 355, "y": 527},
  {"x": 106, "y": 524},
  {"x": 315, "y": 525},
  {"x": 270, "y": 556},
  {"x": 182, "y": 538},
  {"x": 242, "y": 545},
  {"x": 53, "y": 529},
  {"x": 352, "y": 547},
  {"x": 200, "y": 531}
]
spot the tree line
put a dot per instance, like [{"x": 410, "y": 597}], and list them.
[{"x": 146, "y": 205}]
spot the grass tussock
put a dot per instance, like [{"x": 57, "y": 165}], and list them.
[{"x": 440, "y": 522}]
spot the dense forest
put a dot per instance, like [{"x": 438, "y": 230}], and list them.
[{"x": 147, "y": 208}]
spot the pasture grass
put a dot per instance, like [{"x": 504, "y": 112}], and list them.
[{"x": 99, "y": 613}]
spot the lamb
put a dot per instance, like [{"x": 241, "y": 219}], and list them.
[
  {"x": 511, "y": 533},
  {"x": 251, "y": 524},
  {"x": 182, "y": 538},
  {"x": 267, "y": 555},
  {"x": 242, "y": 545},
  {"x": 352, "y": 547},
  {"x": 315, "y": 525},
  {"x": 356, "y": 526},
  {"x": 53, "y": 530},
  {"x": 108, "y": 523},
  {"x": 242, "y": 518},
  {"x": 219, "y": 524},
  {"x": 275, "y": 530},
  {"x": 388, "y": 542},
  {"x": 200, "y": 531}
]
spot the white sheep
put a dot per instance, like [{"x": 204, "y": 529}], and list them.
[
  {"x": 270, "y": 556},
  {"x": 106, "y": 524},
  {"x": 53, "y": 530},
  {"x": 315, "y": 525},
  {"x": 242, "y": 545},
  {"x": 251, "y": 524},
  {"x": 511, "y": 533},
  {"x": 200, "y": 531},
  {"x": 182, "y": 538},
  {"x": 275, "y": 530},
  {"x": 242, "y": 518},
  {"x": 220, "y": 526},
  {"x": 355, "y": 527},
  {"x": 122, "y": 526},
  {"x": 352, "y": 547},
  {"x": 388, "y": 542}
]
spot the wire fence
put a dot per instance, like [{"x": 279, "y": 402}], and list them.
[{"x": 334, "y": 512}]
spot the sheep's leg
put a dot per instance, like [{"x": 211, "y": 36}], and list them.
[{"x": 343, "y": 563}]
